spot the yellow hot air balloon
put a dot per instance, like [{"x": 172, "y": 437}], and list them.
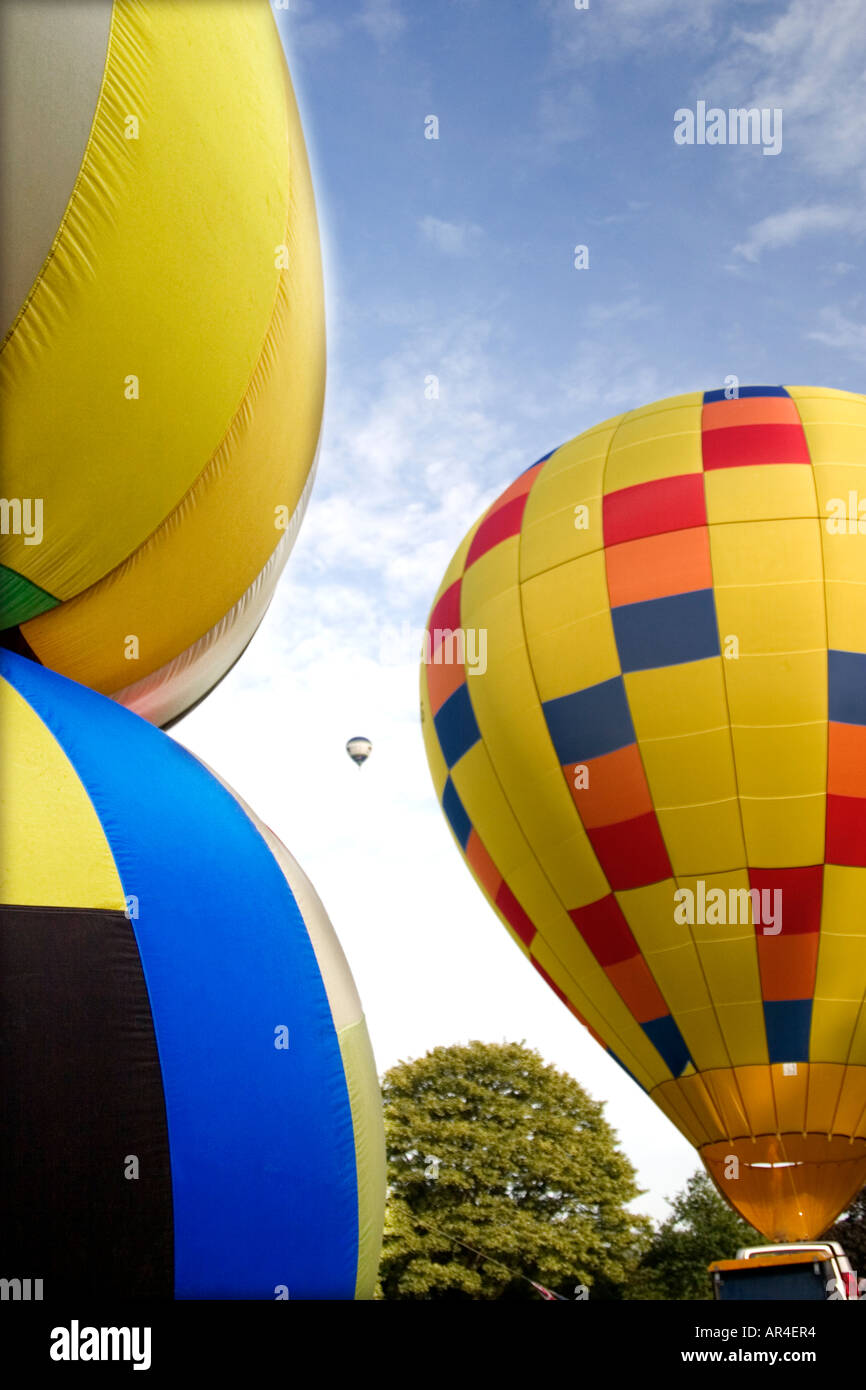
[
  {"x": 644, "y": 706},
  {"x": 162, "y": 373}
]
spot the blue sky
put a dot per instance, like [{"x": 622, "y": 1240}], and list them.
[{"x": 454, "y": 257}]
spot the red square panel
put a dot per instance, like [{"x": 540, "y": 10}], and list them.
[
  {"x": 846, "y": 831},
  {"x": 800, "y": 891},
  {"x": 652, "y": 509},
  {"x": 605, "y": 930},
  {"x": 517, "y": 919},
  {"x": 631, "y": 853},
  {"x": 743, "y": 446}
]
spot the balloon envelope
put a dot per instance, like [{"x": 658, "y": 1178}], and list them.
[
  {"x": 189, "y": 1105},
  {"x": 162, "y": 377},
  {"x": 359, "y": 750},
  {"x": 644, "y": 706}
]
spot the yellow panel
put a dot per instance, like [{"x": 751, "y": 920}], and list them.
[
  {"x": 834, "y": 482},
  {"x": 825, "y": 1084},
  {"x": 766, "y": 552},
  {"x": 186, "y": 216},
  {"x": 702, "y": 1035},
  {"x": 55, "y": 853},
  {"x": 703, "y": 838},
  {"x": 852, "y": 1101},
  {"x": 772, "y": 618},
  {"x": 365, "y": 1103},
  {"x": 857, "y": 1055},
  {"x": 678, "y": 975},
  {"x": 833, "y": 1025},
  {"x": 784, "y": 833},
  {"x": 787, "y": 761},
  {"x": 790, "y": 1094},
  {"x": 764, "y": 492},
  {"x": 569, "y": 631},
  {"x": 744, "y": 1032},
  {"x": 649, "y": 912},
  {"x": 653, "y": 444},
  {"x": 690, "y": 771},
  {"x": 842, "y": 965},
  {"x": 481, "y": 793},
  {"x": 844, "y": 895},
  {"x": 672, "y": 701},
  {"x": 730, "y": 966},
  {"x": 846, "y": 616},
  {"x": 487, "y": 580},
  {"x": 827, "y": 403},
  {"x": 553, "y": 531},
  {"x": 757, "y": 1092},
  {"x": 775, "y": 689}
]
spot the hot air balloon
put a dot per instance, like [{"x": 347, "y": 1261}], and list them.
[
  {"x": 189, "y": 1105},
  {"x": 359, "y": 750},
  {"x": 162, "y": 375},
  {"x": 644, "y": 707}
]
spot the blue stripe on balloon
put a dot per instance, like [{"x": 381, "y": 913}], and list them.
[
  {"x": 743, "y": 393},
  {"x": 256, "y": 1135},
  {"x": 666, "y": 631}
]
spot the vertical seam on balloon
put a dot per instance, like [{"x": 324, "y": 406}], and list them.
[
  {"x": 674, "y": 876},
  {"x": 847, "y": 1063},
  {"x": 626, "y": 416},
  {"x": 755, "y": 957},
  {"x": 495, "y": 772}
]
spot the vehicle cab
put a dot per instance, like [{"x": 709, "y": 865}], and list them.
[{"x": 811, "y": 1270}]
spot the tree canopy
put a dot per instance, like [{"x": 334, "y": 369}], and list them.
[
  {"x": 701, "y": 1228},
  {"x": 502, "y": 1170},
  {"x": 850, "y": 1231}
]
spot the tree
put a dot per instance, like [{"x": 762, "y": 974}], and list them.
[
  {"x": 489, "y": 1146},
  {"x": 701, "y": 1228},
  {"x": 850, "y": 1231}
]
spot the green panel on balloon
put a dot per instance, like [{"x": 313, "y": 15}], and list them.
[{"x": 21, "y": 600}]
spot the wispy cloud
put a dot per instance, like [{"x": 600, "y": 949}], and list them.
[
  {"x": 451, "y": 238},
  {"x": 383, "y": 19},
  {"x": 783, "y": 229},
  {"x": 843, "y": 333}
]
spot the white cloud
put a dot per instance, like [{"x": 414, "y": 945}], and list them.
[
  {"x": 383, "y": 19},
  {"x": 787, "y": 228},
  {"x": 451, "y": 238},
  {"x": 839, "y": 331},
  {"x": 619, "y": 25},
  {"x": 809, "y": 60}
]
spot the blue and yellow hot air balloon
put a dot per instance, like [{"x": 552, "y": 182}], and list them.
[
  {"x": 644, "y": 706},
  {"x": 162, "y": 373},
  {"x": 188, "y": 1105}
]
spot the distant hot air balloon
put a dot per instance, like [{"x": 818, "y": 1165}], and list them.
[
  {"x": 359, "y": 750},
  {"x": 644, "y": 706},
  {"x": 162, "y": 374}
]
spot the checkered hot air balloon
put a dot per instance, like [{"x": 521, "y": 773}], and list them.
[
  {"x": 188, "y": 1099},
  {"x": 162, "y": 373},
  {"x": 644, "y": 706}
]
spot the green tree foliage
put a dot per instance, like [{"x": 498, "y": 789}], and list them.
[
  {"x": 489, "y": 1146},
  {"x": 850, "y": 1231},
  {"x": 701, "y": 1228}
]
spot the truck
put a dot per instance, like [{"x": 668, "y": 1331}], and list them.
[{"x": 808, "y": 1270}]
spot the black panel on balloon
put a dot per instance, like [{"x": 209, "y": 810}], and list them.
[{"x": 80, "y": 1099}]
